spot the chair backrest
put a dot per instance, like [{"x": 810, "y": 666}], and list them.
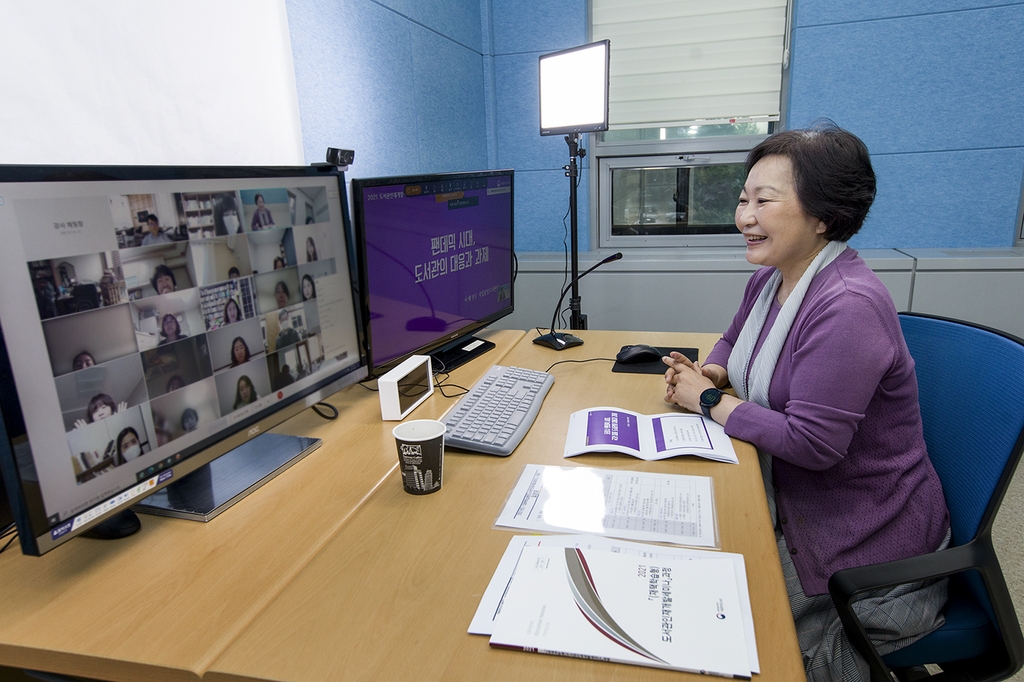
[{"x": 971, "y": 386}]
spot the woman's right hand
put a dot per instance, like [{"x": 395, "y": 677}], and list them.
[{"x": 719, "y": 375}]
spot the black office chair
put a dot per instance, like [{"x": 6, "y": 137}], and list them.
[{"x": 971, "y": 382}]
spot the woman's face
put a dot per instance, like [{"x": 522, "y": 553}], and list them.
[
  {"x": 238, "y": 350},
  {"x": 164, "y": 284},
  {"x": 310, "y": 248},
  {"x": 244, "y": 390},
  {"x": 170, "y": 327},
  {"x": 102, "y": 411},
  {"x": 776, "y": 228},
  {"x": 307, "y": 289},
  {"x": 281, "y": 296},
  {"x": 259, "y": 202},
  {"x": 232, "y": 312},
  {"x": 128, "y": 441},
  {"x": 84, "y": 360}
]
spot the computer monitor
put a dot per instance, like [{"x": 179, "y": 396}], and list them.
[
  {"x": 436, "y": 252},
  {"x": 153, "y": 319}
]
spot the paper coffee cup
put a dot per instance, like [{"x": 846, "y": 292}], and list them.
[{"x": 420, "y": 454}]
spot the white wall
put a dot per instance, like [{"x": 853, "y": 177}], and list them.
[{"x": 154, "y": 82}]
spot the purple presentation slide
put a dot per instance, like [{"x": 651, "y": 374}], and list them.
[{"x": 438, "y": 258}]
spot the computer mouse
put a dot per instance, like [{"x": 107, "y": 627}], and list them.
[{"x": 641, "y": 352}]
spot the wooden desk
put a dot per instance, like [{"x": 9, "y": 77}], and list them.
[
  {"x": 166, "y": 602},
  {"x": 391, "y": 595}
]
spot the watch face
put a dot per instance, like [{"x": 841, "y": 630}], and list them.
[{"x": 710, "y": 397}]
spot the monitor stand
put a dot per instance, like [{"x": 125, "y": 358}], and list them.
[
  {"x": 458, "y": 353},
  {"x": 215, "y": 487}
]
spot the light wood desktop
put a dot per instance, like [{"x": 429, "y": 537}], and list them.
[
  {"x": 165, "y": 603},
  {"x": 391, "y": 595},
  {"x": 332, "y": 571}
]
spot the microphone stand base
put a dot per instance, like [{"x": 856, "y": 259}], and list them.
[{"x": 558, "y": 340}]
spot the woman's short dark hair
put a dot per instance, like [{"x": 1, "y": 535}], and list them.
[
  {"x": 832, "y": 174},
  {"x": 163, "y": 271},
  {"x": 189, "y": 412},
  {"x": 234, "y": 361},
  {"x": 97, "y": 400},
  {"x": 177, "y": 326},
  {"x": 283, "y": 287}
]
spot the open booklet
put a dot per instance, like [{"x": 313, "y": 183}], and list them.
[
  {"x": 648, "y": 437},
  {"x": 664, "y": 613}
]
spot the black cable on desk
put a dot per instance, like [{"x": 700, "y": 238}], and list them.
[
  {"x": 11, "y": 529},
  {"x": 333, "y": 411},
  {"x": 587, "y": 360}
]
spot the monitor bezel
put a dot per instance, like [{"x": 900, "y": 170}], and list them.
[
  {"x": 358, "y": 219},
  {"x": 34, "y": 529}
]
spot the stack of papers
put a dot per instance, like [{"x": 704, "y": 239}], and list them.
[
  {"x": 591, "y": 597},
  {"x": 634, "y": 505}
]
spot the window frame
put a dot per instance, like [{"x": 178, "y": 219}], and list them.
[{"x": 660, "y": 154}]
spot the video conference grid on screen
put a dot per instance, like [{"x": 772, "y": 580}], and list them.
[
  {"x": 438, "y": 256},
  {"x": 169, "y": 314}
]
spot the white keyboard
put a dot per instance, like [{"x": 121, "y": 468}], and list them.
[{"x": 498, "y": 411}]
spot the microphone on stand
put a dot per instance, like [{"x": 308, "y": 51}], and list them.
[{"x": 563, "y": 340}]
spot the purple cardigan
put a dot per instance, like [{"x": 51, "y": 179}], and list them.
[{"x": 853, "y": 481}]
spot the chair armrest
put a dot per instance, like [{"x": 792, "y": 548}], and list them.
[{"x": 844, "y": 584}]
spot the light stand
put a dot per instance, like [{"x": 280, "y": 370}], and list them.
[
  {"x": 577, "y": 320},
  {"x": 574, "y": 100}
]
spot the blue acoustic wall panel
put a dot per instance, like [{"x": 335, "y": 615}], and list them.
[
  {"x": 457, "y": 20},
  {"x": 522, "y": 30},
  {"x": 449, "y": 101},
  {"x": 406, "y": 97},
  {"x": 927, "y": 200},
  {"x": 812, "y": 13},
  {"x": 936, "y": 97}
]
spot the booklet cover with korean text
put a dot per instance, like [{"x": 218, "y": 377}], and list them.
[{"x": 627, "y": 609}]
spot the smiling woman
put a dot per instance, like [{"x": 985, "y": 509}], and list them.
[{"x": 827, "y": 392}]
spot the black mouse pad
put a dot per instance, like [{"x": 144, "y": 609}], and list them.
[{"x": 655, "y": 366}]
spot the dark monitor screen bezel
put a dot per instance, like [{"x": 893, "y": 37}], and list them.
[
  {"x": 378, "y": 368},
  {"x": 34, "y": 528}
]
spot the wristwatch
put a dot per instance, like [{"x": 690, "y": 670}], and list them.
[{"x": 709, "y": 397}]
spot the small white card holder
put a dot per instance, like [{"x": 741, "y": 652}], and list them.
[{"x": 406, "y": 386}]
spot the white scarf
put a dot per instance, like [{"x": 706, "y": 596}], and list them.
[{"x": 760, "y": 375}]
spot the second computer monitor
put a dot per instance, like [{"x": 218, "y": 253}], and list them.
[{"x": 436, "y": 252}]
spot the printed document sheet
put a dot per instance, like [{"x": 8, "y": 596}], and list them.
[{"x": 633, "y": 505}]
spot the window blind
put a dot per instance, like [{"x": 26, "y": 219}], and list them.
[{"x": 686, "y": 61}]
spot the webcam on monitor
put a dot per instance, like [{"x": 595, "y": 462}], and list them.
[{"x": 340, "y": 157}]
